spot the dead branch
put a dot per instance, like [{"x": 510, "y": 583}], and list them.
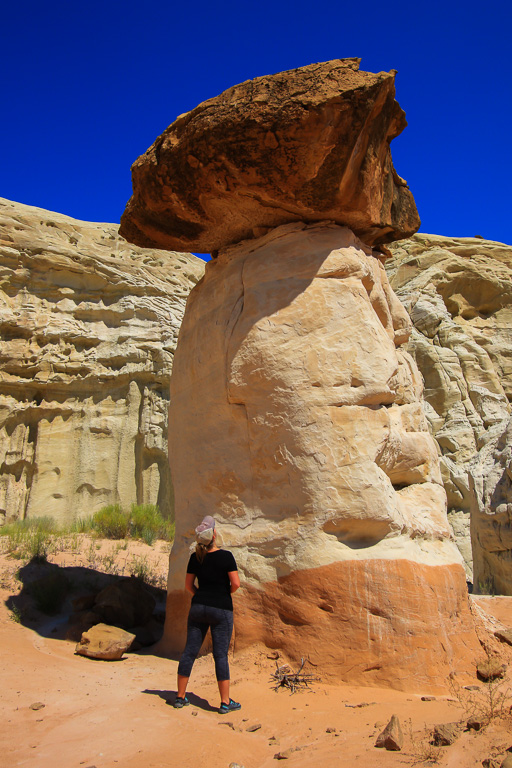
[{"x": 284, "y": 677}]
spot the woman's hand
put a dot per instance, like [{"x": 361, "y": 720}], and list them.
[
  {"x": 189, "y": 583},
  {"x": 234, "y": 580}
]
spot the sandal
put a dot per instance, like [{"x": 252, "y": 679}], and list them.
[
  {"x": 225, "y": 708},
  {"x": 180, "y": 702}
]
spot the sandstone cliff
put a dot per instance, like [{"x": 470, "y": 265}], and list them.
[
  {"x": 88, "y": 325},
  {"x": 458, "y": 292}
]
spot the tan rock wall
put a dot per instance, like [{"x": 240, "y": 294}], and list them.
[
  {"x": 88, "y": 326},
  {"x": 490, "y": 482},
  {"x": 458, "y": 292}
]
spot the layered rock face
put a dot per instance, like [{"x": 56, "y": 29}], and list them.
[
  {"x": 88, "y": 326},
  {"x": 458, "y": 292},
  {"x": 295, "y": 416},
  {"x": 309, "y": 144}
]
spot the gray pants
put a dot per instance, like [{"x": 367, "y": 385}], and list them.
[{"x": 220, "y": 622}]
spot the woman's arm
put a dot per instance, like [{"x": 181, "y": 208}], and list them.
[
  {"x": 189, "y": 583},
  {"x": 234, "y": 580}
]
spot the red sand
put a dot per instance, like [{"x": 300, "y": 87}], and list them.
[{"x": 108, "y": 714}]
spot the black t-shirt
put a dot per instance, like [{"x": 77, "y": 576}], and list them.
[{"x": 212, "y": 576}]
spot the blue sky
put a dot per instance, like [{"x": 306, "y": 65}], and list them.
[{"x": 87, "y": 87}]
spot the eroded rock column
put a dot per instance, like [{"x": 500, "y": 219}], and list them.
[
  {"x": 297, "y": 421},
  {"x": 296, "y": 418}
]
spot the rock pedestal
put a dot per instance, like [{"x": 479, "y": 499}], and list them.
[
  {"x": 297, "y": 421},
  {"x": 296, "y": 418}
]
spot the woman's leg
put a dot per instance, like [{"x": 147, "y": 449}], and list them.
[
  {"x": 221, "y": 626},
  {"x": 196, "y": 632}
]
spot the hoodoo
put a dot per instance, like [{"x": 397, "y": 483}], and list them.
[{"x": 297, "y": 418}]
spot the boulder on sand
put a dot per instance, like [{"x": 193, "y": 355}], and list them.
[{"x": 104, "y": 642}]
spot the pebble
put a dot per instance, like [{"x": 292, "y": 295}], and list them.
[
  {"x": 37, "y": 705},
  {"x": 252, "y": 728}
]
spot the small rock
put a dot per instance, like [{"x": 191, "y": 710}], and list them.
[
  {"x": 252, "y": 728},
  {"x": 471, "y": 687},
  {"x": 330, "y": 730},
  {"x": 445, "y": 734},
  {"x": 428, "y": 698},
  {"x": 474, "y": 723},
  {"x": 505, "y": 635},
  {"x": 37, "y": 705},
  {"x": 287, "y": 753},
  {"x": 194, "y": 713},
  {"x": 491, "y": 762},
  {"x": 228, "y": 723},
  {"x": 391, "y": 737},
  {"x": 236, "y": 765},
  {"x": 273, "y": 655},
  {"x": 491, "y": 669}
]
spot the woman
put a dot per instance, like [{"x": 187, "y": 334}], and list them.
[{"x": 212, "y": 607}]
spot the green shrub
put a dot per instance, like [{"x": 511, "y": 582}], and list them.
[
  {"x": 82, "y": 525},
  {"x": 147, "y": 523},
  {"x": 111, "y": 522},
  {"x": 148, "y": 535},
  {"x": 38, "y": 545},
  {"x": 168, "y": 530},
  {"x": 145, "y": 518},
  {"x": 15, "y": 614}
]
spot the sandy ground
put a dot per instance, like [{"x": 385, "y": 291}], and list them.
[{"x": 108, "y": 714}]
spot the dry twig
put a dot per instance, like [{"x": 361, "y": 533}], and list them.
[{"x": 284, "y": 677}]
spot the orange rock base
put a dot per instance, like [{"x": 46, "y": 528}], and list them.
[{"x": 391, "y": 623}]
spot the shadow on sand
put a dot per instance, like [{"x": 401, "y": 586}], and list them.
[
  {"x": 170, "y": 696},
  {"x": 53, "y": 599}
]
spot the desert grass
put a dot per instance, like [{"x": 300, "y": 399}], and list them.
[
  {"x": 421, "y": 747},
  {"x": 140, "y": 567},
  {"x": 29, "y": 539},
  {"x": 36, "y": 538}
]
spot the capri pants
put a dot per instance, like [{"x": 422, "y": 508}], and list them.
[{"x": 220, "y": 622}]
